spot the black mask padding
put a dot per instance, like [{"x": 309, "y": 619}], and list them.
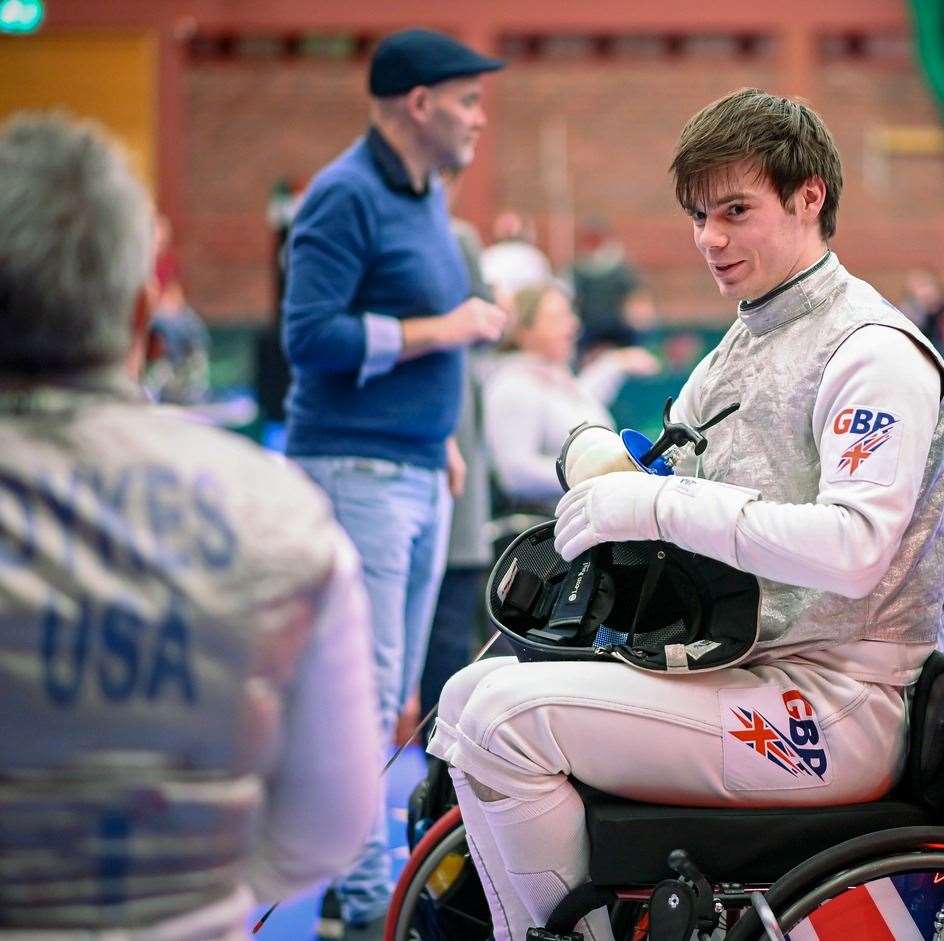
[
  {"x": 674, "y": 616},
  {"x": 689, "y": 598},
  {"x": 579, "y": 603},
  {"x": 564, "y": 608}
]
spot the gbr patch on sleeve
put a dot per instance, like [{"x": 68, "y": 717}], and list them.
[{"x": 861, "y": 442}]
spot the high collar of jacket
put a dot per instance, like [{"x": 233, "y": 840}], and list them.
[
  {"x": 65, "y": 392},
  {"x": 391, "y": 166},
  {"x": 800, "y": 295}
]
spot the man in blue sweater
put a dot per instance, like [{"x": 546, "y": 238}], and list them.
[{"x": 377, "y": 316}]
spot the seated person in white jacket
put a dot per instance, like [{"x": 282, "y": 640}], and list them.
[
  {"x": 532, "y": 399},
  {"x": 826, "y": 484}
]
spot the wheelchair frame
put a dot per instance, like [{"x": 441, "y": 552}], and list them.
[
  {"x": 752, "y": 912},
  {"x": 790, "y": 899}
]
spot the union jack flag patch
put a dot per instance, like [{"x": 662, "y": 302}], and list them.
[
  {"x": 899, "y": 908},
  {"x": 862, "y": 443},
  {"x": 772, "y": 740},
  {"x": 862, "y": 449}
]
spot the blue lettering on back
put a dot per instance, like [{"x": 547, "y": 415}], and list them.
[
  {"x": 123, "y": 653},
  {"x": 216, "y": 538},
  {"x": 18, "y": 547},
  {"x": 114, "y": 864},
  {"x": 171, "y": 657},
  {"x": 65, "y": 649},
  {"x": 63, "y": 508},
  {"x": 119, "y": 664},
  {"x": 116, "y": 541},
  {"x": 163, "y": 498}
]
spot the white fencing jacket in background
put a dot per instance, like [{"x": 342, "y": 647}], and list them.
[{"x": 186, "y": 698}]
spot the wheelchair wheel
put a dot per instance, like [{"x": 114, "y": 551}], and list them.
[
  {"x": 439, "y": 896},
  {"x": 882, "y": 885}
]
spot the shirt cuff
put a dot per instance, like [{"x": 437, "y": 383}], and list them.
[{"x": 384, "y": 340}]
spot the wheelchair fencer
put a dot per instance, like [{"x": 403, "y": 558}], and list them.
[
  {"x": 673, "y": 873},
  {"x": 670, "y": 873}
]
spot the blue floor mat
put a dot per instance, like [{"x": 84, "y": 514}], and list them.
[{"x": 296, "y": 920}]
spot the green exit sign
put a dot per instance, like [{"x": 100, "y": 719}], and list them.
[{"x": 20, "y": 16}]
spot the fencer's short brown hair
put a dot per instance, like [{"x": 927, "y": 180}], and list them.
[{"x": 786, "y": 139}]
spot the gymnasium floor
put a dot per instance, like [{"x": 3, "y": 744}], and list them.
[{"x": 295, "y": 921}]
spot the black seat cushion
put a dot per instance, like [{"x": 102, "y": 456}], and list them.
[
  {"x": 630, "y": 842},
  {"x": 924, "y": 779}
]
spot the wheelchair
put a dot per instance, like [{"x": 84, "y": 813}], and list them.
[{"x": 859, "y": 872}]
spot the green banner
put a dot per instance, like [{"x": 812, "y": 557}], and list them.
[{"x": 929, "y": 40}]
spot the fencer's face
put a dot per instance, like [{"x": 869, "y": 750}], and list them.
[
  {"x": 553, "y": 332},
  {"x": 751, "y": 241},
  {"x": 456, "y": 118}
]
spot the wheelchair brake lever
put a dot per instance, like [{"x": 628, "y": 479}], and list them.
[{"x": 684, "y": 907}]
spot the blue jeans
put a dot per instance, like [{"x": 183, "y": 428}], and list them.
[{"x": 397, "y": 516}]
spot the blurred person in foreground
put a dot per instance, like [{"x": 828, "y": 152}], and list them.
[
  {"x": 533, "y": 399},
  {"x": 827, "y": 485},
  {"x": 184, "y": 658},
  {"x": 377, "y": 319}
]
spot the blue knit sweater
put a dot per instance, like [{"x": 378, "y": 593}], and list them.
[{"x": 364, "y": 242}]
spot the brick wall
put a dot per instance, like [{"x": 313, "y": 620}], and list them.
[
  {"x": 249, "y": 123},
  {"x": 622, "y": 121}
]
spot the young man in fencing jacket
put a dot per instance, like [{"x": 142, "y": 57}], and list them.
[{"x": 825, "y": 484}]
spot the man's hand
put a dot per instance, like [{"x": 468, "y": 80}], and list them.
[
  {"x": 455, "y": 467},
  {"x": 473, "y": 321},
  {"x": 611, "y": 508}
]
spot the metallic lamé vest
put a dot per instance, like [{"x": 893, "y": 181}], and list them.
[
  {"x": 157, "y": 580},
  {"x": 772, "y": 361}
]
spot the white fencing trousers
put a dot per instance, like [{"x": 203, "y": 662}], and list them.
[
  {"x": 782, "y": 734},
  {"x": 511, "y": 918}
]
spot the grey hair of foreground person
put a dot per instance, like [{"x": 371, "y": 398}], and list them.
[{"x": 76, "y": 246}]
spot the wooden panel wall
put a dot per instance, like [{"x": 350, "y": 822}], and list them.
[{"x": 102, "y": 74}]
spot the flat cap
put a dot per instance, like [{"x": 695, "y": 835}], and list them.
[{"x": 414, "y": 57}]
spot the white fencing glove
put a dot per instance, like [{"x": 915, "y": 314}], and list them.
[
  {"x": 700, "y": 515},
  {"x": 612, "y": 508}
]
